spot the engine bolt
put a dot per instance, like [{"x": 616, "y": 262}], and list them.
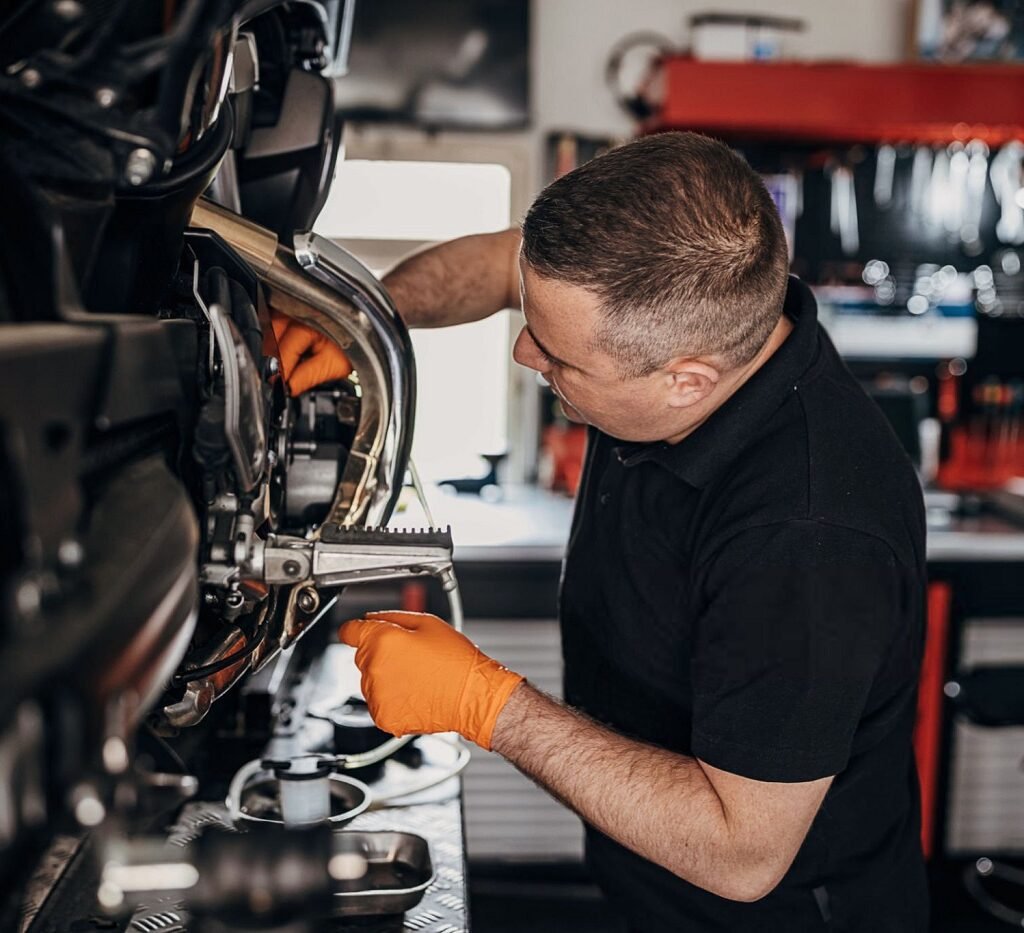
[
  {"x": 70, "y": 553},
  {"x": 291, "y": 568},
  {"x": 28, "y": 598},
  {"x": 234, "y": 600},
  {"x": 31, "y": 78},
  {"x": 308, "y": 600},
  {"x": 139, "y": 167},
  {"x": 105, "y": 96},
  {"x": 68, "y": 9}
]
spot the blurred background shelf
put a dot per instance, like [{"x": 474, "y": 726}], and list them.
[{"x": 919, "y": 103}]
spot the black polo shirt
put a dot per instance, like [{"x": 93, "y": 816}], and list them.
[{"x": 754, "y": 596}]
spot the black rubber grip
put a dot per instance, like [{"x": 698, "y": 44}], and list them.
[{"x": 387, "y": 537}]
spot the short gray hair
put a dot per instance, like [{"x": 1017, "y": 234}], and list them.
[{"x": 678, "y": 238}]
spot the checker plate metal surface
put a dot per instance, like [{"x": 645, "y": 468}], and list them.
[{"x": 442, "y": 910}]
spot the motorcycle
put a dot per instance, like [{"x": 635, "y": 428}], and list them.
[{"x": 171, "y": 516}]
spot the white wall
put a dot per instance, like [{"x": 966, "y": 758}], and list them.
[{"x": 572, "y": 39}]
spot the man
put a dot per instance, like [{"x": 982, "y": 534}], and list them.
[{"x": 742, "y": 598}]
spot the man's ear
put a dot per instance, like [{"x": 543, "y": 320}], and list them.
[{"x": 690, "y": 381}]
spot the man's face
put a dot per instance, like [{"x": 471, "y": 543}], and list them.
[{"x": 558, "y": 343}]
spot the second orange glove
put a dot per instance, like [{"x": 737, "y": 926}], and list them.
[
  {"x": 308, "y": 358},
  {"x": 420, "y": 676}
]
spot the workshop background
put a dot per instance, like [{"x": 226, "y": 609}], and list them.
[
  {"x": 890, "y": 134},
  {"x": 891, "y": 137}
]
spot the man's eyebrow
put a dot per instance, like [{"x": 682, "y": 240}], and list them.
[{"x": 551, "y": 356}]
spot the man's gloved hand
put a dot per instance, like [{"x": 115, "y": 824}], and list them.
[
  {"x": 308, "y": 358},
  {"x": 420, "y": 675}
]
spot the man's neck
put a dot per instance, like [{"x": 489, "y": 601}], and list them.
[{"x": 731, "y": 381}]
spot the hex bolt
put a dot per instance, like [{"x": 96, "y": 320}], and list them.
[
  {"x": 105, "y": 96},
  {"x": 139, "y": 167},
  {"x": 291, "y": 568},
  {"x": 308, "y": 600},
  {"x": 234, "y": 600},
  {"x": 30, "y": 77}
]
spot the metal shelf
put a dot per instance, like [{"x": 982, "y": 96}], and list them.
[{"x": 843, "y": 103}]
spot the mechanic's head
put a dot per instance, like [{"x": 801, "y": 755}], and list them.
[{"x": 653, "y": 279}]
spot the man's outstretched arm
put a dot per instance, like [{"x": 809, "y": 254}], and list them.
[
  {"x": 463, "y": 280},
  {"x": 456, "y": 282},
  {"x": 725, "y": 833}
]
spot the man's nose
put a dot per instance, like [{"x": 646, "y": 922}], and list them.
[{"x": 526, "y": 353}]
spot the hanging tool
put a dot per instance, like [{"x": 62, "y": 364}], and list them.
[
  {"x": 1005, "y": 172},
  {"x": 844, "y": 209},
  {"x": 885, "y": 173},
  {"x": 956, "y": 191},
  {"x": 938, "y": 190},
  {"x": 977, "y": 175},
  {"x": 920, "y": 176}
]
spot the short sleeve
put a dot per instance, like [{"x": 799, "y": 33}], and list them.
[{"x": 793, "y": 624}]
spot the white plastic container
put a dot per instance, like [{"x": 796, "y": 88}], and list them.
[{"x": 740, "y": 37}]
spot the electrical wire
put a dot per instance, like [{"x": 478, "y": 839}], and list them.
[
  {"x": 215, "y": 667},
  {"x": 258, "y": 638}
]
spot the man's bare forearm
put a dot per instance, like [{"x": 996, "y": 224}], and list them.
[
  {"x": 456, "y": 282},
  {"x": 657, "y": 803}
]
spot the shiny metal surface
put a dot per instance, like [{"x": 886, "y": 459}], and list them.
[
  {"x": 200, "y": 694},
  {"x": 243, "y": 403},
  {"x": 392, "y": 872},
  {"x": 343, "y": 556},
  {"x": 444, "y": 907},
  {"x": 380, "y": 327},
  {"x": 328, "y": 289}
]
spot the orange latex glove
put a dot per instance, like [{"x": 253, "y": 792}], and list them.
[
  {"x": 308, "y": 358},
  {"x": 420, "y": 675}
]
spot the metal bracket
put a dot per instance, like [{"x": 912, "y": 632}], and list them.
[{"x": 346, "y": 555}]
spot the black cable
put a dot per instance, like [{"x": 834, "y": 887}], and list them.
[{"x": 215, "y": 667}]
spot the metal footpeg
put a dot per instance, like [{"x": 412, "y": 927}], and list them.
[{"x": 350, "y": 555}]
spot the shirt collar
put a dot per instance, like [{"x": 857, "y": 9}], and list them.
[{"x": 715, "y": 444}]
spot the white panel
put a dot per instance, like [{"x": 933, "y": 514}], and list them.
[
  {"x": 507, "y": 816},
  {"x": 869, "y": 337},
  {"x": 461, "y": 389},
  {"x": 986, "y": 807},
  {"x": 398, "y": 200}
]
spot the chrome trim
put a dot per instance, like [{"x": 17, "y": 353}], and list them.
[{"x": 376, "y": 468}]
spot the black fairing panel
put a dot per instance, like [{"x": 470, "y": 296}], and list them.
[{"x": 285, "y": 168}]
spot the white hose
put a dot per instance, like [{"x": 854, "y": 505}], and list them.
[{"x": 388, "y": 800}]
